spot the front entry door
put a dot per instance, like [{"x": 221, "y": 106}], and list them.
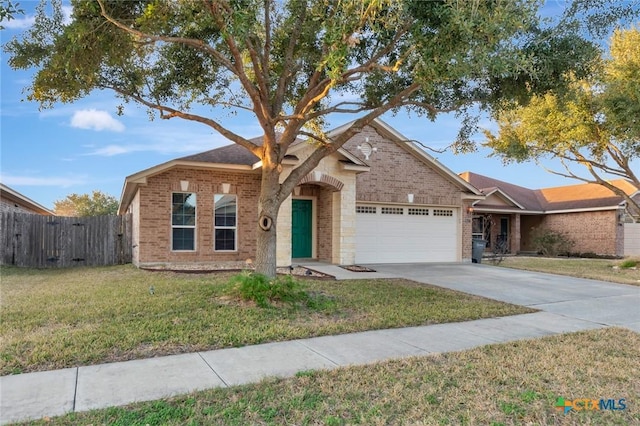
[{"x": 301, "y": 225}]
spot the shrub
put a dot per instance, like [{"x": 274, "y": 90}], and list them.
[
  {"x": 283, "y": 289},
  {"x": 629, "y": 263},
  {"x": 551, "y": 243}
]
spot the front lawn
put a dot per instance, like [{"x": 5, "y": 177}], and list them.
[
  {"x": 596, "y": 269},
  {"x": 70, "y": 317},
  {"x": 516, "y": 383}
]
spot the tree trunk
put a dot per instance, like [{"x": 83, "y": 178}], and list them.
[{"x": 268, "y": 207}]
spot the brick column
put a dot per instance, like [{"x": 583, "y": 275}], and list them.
[{"x": 515, "y": 234}]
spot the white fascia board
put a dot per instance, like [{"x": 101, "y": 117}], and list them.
[
  {"x": 505, "y": 195},
  {"x": 506, "y": 211},
  {"x": 478, "y": 198},
  {"x": 584, "y": 210},
  {"x": 26, "y": 200}
]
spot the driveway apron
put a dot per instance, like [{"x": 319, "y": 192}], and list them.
[{"x": 601, "y": 302}]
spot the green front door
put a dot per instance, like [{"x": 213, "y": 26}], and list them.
[{"x": 301, "y": 224}]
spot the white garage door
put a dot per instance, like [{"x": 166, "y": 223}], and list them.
[{"x": 404, "y": 234}]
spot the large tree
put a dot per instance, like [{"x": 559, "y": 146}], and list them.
[
  {"x": 292, "y": 63},
  {"x": 593, "y": 128},
  {"x": 78, "y": 205}
]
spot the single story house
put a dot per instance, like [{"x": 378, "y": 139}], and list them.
[
  {"x": 13, "y": 201},
  {"x": 591, "y": 215},
  {"x": 378, "y": 199}
]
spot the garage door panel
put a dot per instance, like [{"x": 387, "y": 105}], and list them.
[{"x": 405, "y": 238}]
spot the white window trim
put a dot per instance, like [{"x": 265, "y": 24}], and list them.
[
  {"x": 235, "y": 228},
  {"x": 194, "y": 227}
]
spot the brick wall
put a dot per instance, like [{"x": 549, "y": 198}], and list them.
[
  {"x": 395, "y": 173},
  {"x": 13, "y": 207},
  {"x": 155, "y": 215},
  {"x": 325, "y": 211},
  {"x": 592, "y": 232}
]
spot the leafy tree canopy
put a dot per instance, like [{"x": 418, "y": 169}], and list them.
[
  {"x": 594, "y": 125},
  {"x": 96, "y": 204},
  {"x": 292, "y": 63},
  {"x": 8, "y": 10}
]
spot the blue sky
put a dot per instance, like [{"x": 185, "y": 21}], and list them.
[{"x": 84, "y": 146}]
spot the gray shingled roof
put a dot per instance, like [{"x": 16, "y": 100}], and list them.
[
  {"x": 231, "y": 154},
  {"x": 524, "y": 196}
]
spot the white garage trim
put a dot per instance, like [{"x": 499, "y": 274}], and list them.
[{"x": 397, "y": 233}]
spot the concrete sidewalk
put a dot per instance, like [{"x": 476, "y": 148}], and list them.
[
  {"x": 568, "y": 304},
  {"x": 52, "y": 393}
]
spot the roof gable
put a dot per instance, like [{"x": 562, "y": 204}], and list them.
[
  {"x": 14, "y": 197},
  {"x": 497, "y": 197},
  {"x": 583, "y": 196},
  {"x": 389, "y": 133},
  {"x": 522, "y": 197}
]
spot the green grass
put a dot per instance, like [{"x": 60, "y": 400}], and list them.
[
  {"x": 70, "y": 317},
  {"x": 617, "y": 271},
  {"x": 502, "y": 384}
]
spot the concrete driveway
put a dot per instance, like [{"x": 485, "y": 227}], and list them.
[{"x": 597, "y": 301}]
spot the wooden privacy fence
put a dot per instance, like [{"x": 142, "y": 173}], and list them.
[{"x": 53, "y": 242}]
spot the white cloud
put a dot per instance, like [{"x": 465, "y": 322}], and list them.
[
  {"x": 61, "y": 181},
  {"x": 160, "y": 139},
  {"x": 95, "y": 120},
  {"x": 19, "y": 23},
  {"x": 111, "y": 150}
]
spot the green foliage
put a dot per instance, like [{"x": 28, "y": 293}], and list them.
[
  {"x": 8, "y": 10},
  {"x": 293, "y": 63},
  {"x": 428, "y": 56},
  {"x": 96, "y": 204},
  {"x": 629, "y": 263},
  {"x": 591, "y": 124},
  {"x": 265, "y": 291},
  {"x": 551, "y": 243}
]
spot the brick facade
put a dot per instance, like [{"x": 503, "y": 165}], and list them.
[
  {"x": 592, "y": 232},
  {"x": 334, "y": 189},
  {"x": 12, "y": 207},
  {"x": 396, "y": 172},
  {"x": 153, "y": 203}
]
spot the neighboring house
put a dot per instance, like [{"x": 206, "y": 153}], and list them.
[
  {"x": 13, "y": 201},
  {"x": 378, "y": 199},
  {"x": 591, "y": 215}
]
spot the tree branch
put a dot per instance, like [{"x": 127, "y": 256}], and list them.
[
  {"x": 152, "y": 39},
  {"x": 328, "y": 148},
  {"x": 171, "y": 112}
]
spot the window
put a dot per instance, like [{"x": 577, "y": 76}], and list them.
[
  {"x": 481, "y": 229},
  {"x": 418, "y": 212},
  {"x": 392, "y": 210},
  {"x": 225, "y": 222},
  {"x": 366, "y": 209},
  {"x": 441, "y": 212},
  {"x": 183, "y": 221}
]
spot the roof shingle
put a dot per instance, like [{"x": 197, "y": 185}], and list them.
[{"x": 569, "y": 197}]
